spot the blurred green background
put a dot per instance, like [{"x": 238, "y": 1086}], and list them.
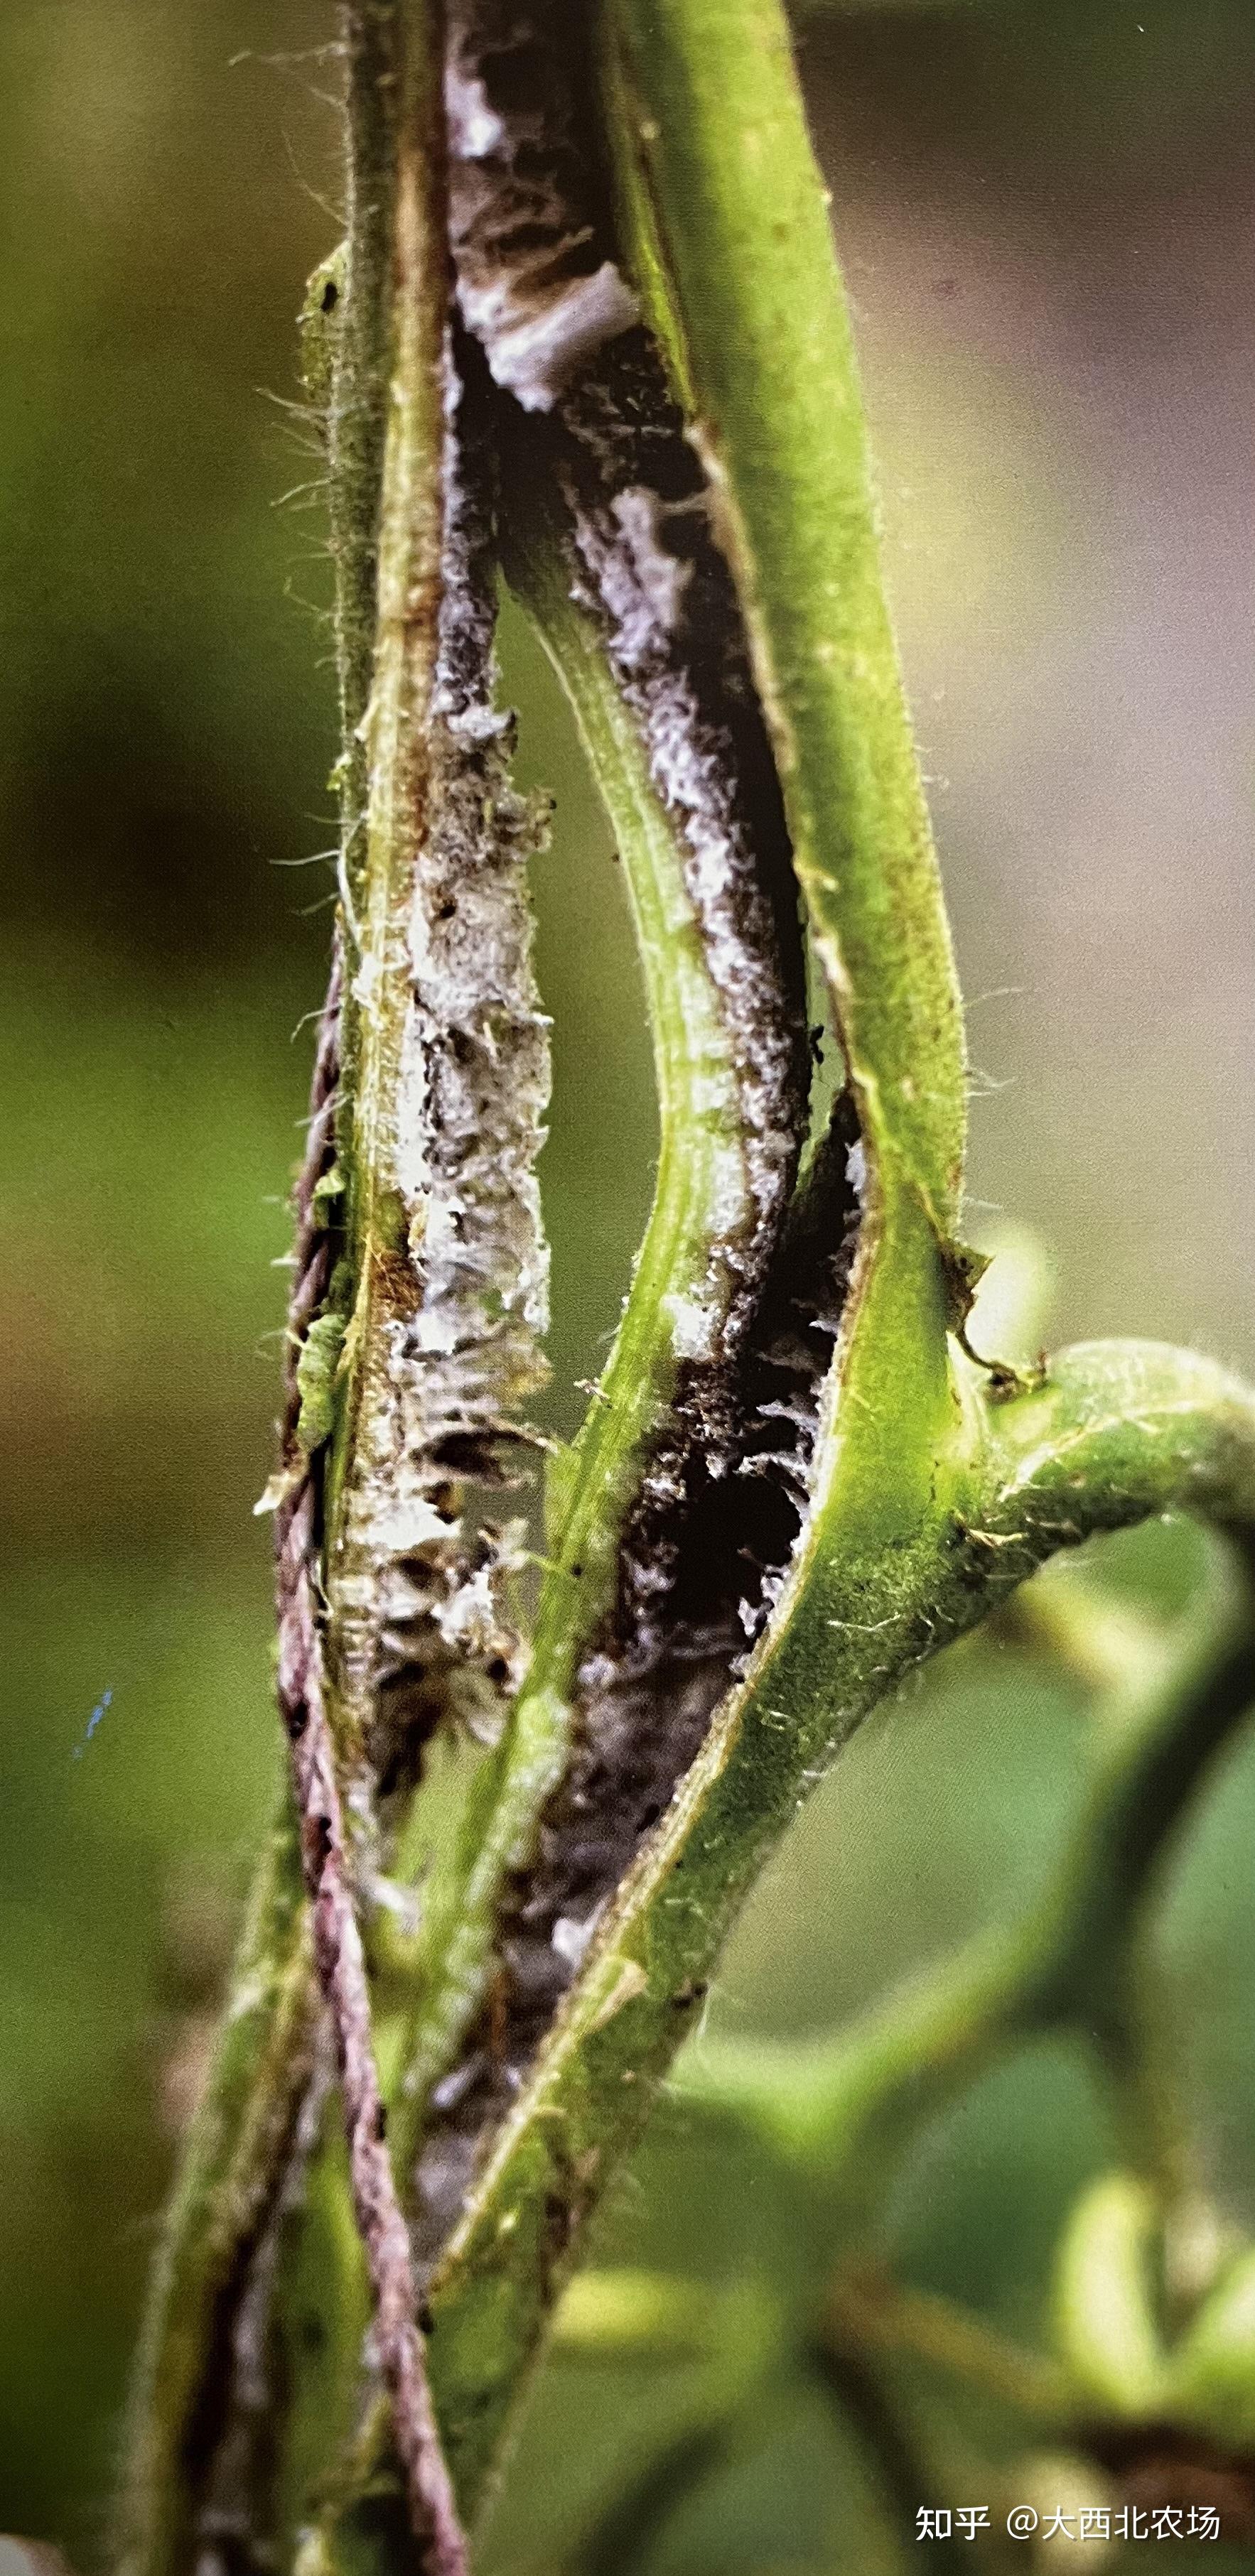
[{"x": 1047, "y": 221}]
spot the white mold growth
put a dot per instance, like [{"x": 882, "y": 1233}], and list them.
[
  {"x": 697, "y": 738},
  {"x": 528, "y": 288},
  {"x": 535, "y": 354},
  {"x": 647, "y": 587},
  {"x": 537, "y": 282},
  {"x": 476, "y": 132},
  {"x": 422, "y": 1584},
  {"x": 645, "y": 568}
]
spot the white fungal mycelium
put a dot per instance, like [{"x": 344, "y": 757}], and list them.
[
  {"x": 526, "y": 285},
  {"x": 419, "y": 1582}
]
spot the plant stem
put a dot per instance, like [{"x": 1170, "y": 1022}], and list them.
[
  {"x": 706, "y": 121},
  {"x": 868, "y": 2312},
  {"x": 845, "y": 2110},
  {"x": 394, "y": 730},
  {"x": 926, "y": 1506},
  {"x": 701, "y": 1178},
  {"x": 361, "y": 363},
  {"x": 809, "y": 1685},
  {"x": 342, "y": 1972},
  {"x": 233, "y": 2159},
  {"x": 929, "y": 1498}
]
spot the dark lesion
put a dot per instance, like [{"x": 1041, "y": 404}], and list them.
[
  {"x": 691, "y": 1601},
  {"x": 724, "y": 1489}
]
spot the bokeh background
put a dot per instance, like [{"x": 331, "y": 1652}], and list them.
[{"x": 1047, "y": 219}]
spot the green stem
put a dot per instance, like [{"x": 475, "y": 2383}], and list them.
[
  {"x": 634, "y": 2521},
  {"x": 844, "y": 2111},
  {"x": 866, "y": 2312},
  {"x": 905, "y": 2471},
  {"x": 233, "y": 2164},
  {"x": 1116, "y": 1432}
]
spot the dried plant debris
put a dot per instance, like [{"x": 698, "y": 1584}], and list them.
[
  {"x": 421, "y": 1585},
  {"x": 724, "y": 1493}
]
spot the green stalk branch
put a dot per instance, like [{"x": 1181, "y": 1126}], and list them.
[
  {"x": 865, "y": 2312},
  {"x": 844, "y": 2111},
  {"x": 902, "y": 2466},
  {"x": 1116, "y": 1432}
]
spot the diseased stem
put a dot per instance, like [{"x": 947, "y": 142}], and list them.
[
  {"x": 700, "y": 1178},
  {"x": 358, "y": 414},
  {"x": 342, "y": 1972},
  {"x": 394, "y": 732},
  {"x": 265, "y": 2052},
  {"x": 710, "y": 1232},
  {"x": 925, "y": 1510},
  {"x": 387, "y": 329},
  {"x": 331, "y": 1753},
  {"x": 708, "y": 132},
  {"x": 929, "y": 1495}
]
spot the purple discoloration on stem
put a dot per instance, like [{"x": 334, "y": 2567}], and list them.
[{"x": 342, "y": 1973}]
